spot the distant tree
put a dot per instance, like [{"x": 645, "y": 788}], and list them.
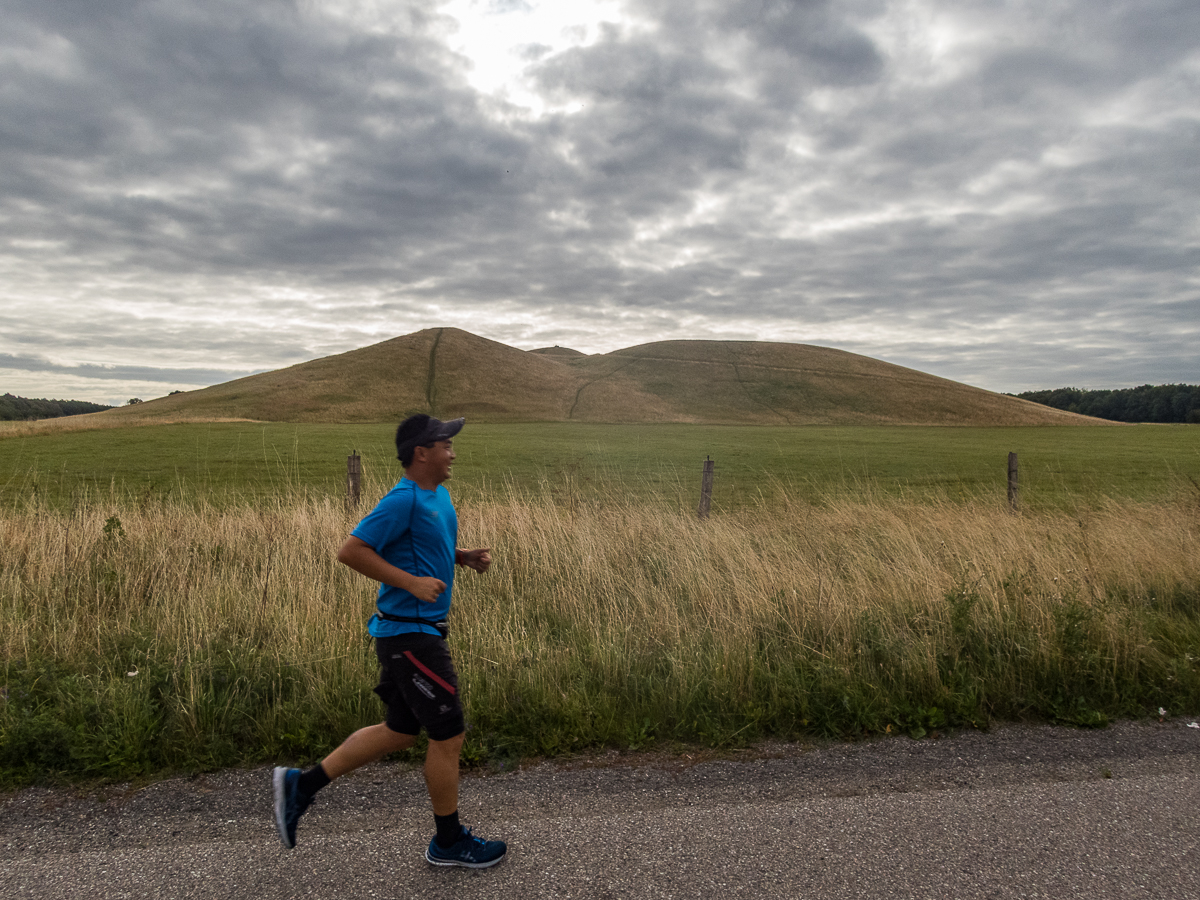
[
  {"x": 1146, "y": 403},
  {"x": 133, "y": 401},
  {"x": 14, "y": 408}
]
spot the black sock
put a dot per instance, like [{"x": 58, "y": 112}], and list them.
[
  {"x": 312, "y": 781},
  {"x": 448, "y": 829}
]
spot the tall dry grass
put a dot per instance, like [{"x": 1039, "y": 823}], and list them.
[
  {"x": 839, "y": 616},
  {"x": 139, "y": 637},
  {"x": 118, "y": 417}
]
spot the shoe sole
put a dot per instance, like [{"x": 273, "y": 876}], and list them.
[
  {"x": 279, "y": 781},
  {"x": 433, "y": 860}
]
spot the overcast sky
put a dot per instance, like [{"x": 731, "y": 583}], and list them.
[{"x": 1001, "y": 193}]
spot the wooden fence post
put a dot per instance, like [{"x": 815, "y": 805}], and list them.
[
  {"x": 706, "y": 483},
  {"x": 1013, "y": 498},
  {"x": 353, "y": 479}
]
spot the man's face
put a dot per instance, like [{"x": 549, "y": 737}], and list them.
[{"x": 439, "y": 457}]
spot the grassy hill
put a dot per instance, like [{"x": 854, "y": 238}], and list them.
[{"x": 449, "y": 372}]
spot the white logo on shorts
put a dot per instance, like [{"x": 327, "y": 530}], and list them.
[{"x": 423, "y": 686}]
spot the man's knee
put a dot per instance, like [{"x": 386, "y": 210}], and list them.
[
  {"x": 449, "y": 746},
  {"x": 397, "y": 740}
]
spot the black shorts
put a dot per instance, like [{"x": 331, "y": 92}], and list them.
[{"x": 418, "y": 683}]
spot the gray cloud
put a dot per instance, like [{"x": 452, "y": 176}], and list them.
[
  {"x": 229, "y": 187},
  {"x": 122, "y": 373}
]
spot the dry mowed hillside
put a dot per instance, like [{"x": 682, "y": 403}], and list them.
[{"x": 449, "y": 372}]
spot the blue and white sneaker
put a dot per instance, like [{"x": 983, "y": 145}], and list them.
[
  {"x": 469, "y": 851},
  {"x": 289, "y": 804}
]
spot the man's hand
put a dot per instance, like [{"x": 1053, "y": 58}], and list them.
[
  {"x": 427, "y": 589},
  {"x": 479, "y": 560}
]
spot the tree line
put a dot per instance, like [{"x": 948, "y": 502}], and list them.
[
  {"x": 1147, "y": 403},
  {"x": 21, "y": 409}
]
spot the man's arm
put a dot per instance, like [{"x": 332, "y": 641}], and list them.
[
  {"x": 362, "y": 558},
  {"x": 479, "y": 560}
]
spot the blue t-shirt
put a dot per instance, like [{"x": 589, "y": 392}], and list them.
[{"x": 415, "y": 530}]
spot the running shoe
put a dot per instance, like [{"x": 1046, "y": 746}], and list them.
[
  {"x": 290, "y": 804},
  {"x": 469, "y": 851}
]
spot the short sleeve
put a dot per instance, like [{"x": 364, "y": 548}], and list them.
[{"x": 388, "y": 521}]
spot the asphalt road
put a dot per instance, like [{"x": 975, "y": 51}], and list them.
[{"x": 1015, "y": 812}]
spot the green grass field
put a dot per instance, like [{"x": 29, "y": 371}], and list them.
[{"x": 223, "y": 462}]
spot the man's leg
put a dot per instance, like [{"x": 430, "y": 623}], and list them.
[
  {"x": 294, "y": 790},
  {"x": 366, "y": 745},
  {"x": 421, "y": 683},
  {"x": 441, "y": 774},
  {"x": 453, "y": 845}
]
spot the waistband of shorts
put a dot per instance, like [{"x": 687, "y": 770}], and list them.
[{"x": 408, "y": 640}]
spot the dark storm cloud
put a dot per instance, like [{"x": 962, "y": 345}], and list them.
[{"x": 973, "y": 189}]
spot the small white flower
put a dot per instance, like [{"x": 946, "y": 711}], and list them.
[
  {"x": 1193, "y": 724},
  {"x": 1161, "y": 711},
  {"x": 131, "y": 674}
]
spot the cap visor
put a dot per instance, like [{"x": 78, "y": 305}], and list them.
[{"x": 449, "y": 429}]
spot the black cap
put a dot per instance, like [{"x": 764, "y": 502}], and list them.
[{"x": 422, "y": 430}]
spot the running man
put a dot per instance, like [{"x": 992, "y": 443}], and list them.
[{"x": 408, "y": 543}]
